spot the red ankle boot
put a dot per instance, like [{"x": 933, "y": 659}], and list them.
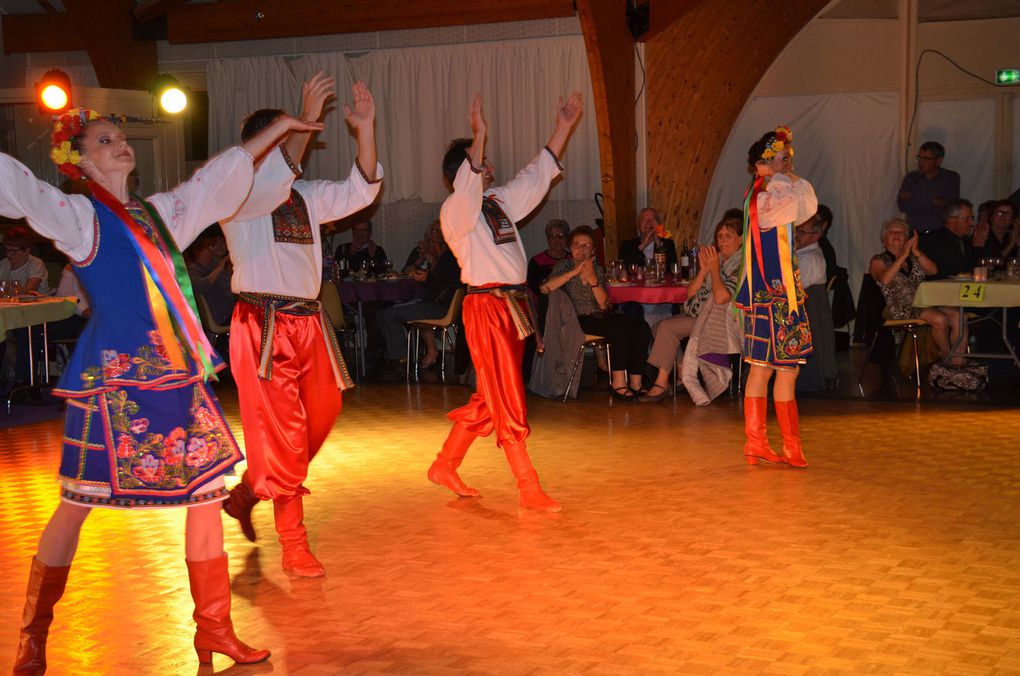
[
  {"x": 239, "y": 505},
  {"x": 210, "y": 588},
  {"x": 756, "y": 446},
  {"x": 531, "y": 495},
  {"x": 45, "y": 587},
  {"x": 789, "y": 425},
  {"x": 444, "y": 469},
  {"x": 290, "y": 524}
]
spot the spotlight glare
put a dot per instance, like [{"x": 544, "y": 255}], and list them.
[
  {"x": 54, "y": 98},
  {"x": 53, "y": 92},
  {"x": 173, "y": 100}
]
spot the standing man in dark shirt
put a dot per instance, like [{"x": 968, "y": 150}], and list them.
[
  {"x": 925, "y": 192},
  {"x": 950, "y": 246}
]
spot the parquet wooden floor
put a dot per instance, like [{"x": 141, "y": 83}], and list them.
[{"x": 898, "y": 551}]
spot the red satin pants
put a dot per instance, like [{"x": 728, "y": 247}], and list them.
[
  {"x": 286, "y": 419},
  {"x": 496, "y": 351}
]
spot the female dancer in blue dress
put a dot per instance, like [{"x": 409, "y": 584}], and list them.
[
  {"x": 143, "y": 429},
  {"x": 777, "y": 337}
]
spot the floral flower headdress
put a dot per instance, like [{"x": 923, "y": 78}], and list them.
[
  {"x": 781, "y": 138},
  {"x": 67, "y": 127}
]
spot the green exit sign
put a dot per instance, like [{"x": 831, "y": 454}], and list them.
[{"x": 1007, "y": 76}]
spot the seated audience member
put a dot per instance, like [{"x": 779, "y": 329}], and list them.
[
  {"x": 21, "y": 266},
  {"x": 72, "y": 326},
  {"x": 926, "y": 191},
  {"x": 708, "y": 296},
  {"x": 541, "y": 264},
  {"x": 584, "y": 282},
  {"x": 441, "y": 282},
  {"x": 824, "y": 219},
  {"x": 426, "y": 253},
  {"x": 998, "y": 237},
  {"x": 651, "y": 240},
  {"x": 362, "y": 251},
  {"x": 898, "y": 271},
  {"x": 810, "y": 259},
  {"x": 950, "y": 247},
  {"x": 210, "y": 271},
  {"x": 843, "y": 310}
]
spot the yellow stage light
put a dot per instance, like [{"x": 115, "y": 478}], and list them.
[{"x": 53, "y": 92}]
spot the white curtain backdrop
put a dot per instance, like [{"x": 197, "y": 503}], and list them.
[
  {"x": 422, "y": 97},
  {"x": 847, "y": 145},
  {"x": 967, "y": 130}
]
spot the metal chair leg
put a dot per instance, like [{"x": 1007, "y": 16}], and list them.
[
  {"x": 917, "y": 363},
  {"x": 573, "y": 372}
]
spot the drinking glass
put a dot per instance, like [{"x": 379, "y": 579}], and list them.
[
  {"x": 4, "y": 289},
  {"x": 14, "y": 288},
  {"x": 1013, "y": 268}
]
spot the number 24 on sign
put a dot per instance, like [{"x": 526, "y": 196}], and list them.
[{"x": 972, "y": 293}]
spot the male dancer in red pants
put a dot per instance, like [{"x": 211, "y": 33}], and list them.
[
  {"x": 283, "y": 351},
  {"x": 479, "y": 223}
]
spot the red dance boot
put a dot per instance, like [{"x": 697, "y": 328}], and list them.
[
  {"x": 239, "y": 505},
  {"x": 297, "y": 557},
  {"x": 45, "y": 587},
  {"x": 444, "y": 469},
  {"x": 210, "y": 588},
  {"x": 531, "y": 494},
  {"x": 789, "y": 425},
  {"x": 756, "y": 447}
]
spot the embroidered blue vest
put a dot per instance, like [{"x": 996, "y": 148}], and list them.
[{"x": 120, "y": 346}]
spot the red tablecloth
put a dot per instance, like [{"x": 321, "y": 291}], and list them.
[
  {"x": 403, "y": 288},
  {"x": 664, "y": 293}
]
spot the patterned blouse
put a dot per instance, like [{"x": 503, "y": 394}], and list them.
[
  {"x": 581, "y": 295},
  {"x": 899, "y": 293}
]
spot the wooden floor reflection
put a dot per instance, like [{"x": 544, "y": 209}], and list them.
[{"x": 898, "y": 551}]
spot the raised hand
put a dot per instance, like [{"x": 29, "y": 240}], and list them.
[
  {"x": 290, "y": 123},
  {"x": 315, "y": 92},
  {"x": 362, "y": 115},
  {"x": 912, "y": 244},
  {"x": 709, "y": 257},
  {"x": 477, "y": 117},
  {"x": 568, "y": 113}
]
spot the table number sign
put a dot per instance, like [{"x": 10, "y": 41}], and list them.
[{"x": 972, "y": 293}]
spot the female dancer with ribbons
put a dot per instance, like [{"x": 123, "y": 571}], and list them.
[
  {"x": 777, "y": 337},
  {"x": 143, "y": 429}
]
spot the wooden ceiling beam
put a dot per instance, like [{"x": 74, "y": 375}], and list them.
[
  {"x": 120, "y": 61},
  {"x": 610, "y": 50},
  {"x": 147, "y": 10},
  {"x": 33, "y": 33},
  {"x": 663, "y": 13},
  {"x": 266, "y": 19}
]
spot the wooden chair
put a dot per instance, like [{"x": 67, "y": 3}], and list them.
[
  {"x": 446, "y": 324},
  {"x": 329, "y": 298}
]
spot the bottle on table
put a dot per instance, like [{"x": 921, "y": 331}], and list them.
[{"x": 685, "y": 261}]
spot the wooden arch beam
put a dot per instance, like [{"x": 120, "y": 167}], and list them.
[
  {"x": 701, "y": 70},
  {"x": 611, "y": 63}
]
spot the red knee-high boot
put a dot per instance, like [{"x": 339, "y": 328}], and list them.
[
  {"x": 531, "y": 494},
  {"x": 210, "y": 588},
  {"x": 444, "y": 468},
  {"x": 290, "y": 524},
  {"x": 45, "y": 587},
  {"x": 239, "y": 505},
  {"x": 756, "y": 445},
  {"x": 789, "y": 424}
]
